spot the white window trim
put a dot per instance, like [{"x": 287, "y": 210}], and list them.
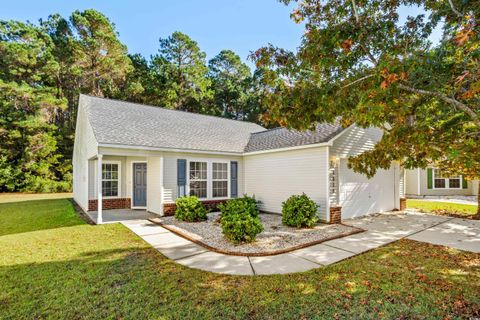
[
  {"x": 133, "y": 182},
  {"x": 228, "y": 179},
  {"x": 119, "y": 163},
  {"x": 207, "y": 179},
  {"x": 209, "y": 162},
  {"x": 447, "y": 182}
]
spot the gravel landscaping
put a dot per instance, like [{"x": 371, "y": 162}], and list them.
[{"x": 276, "y": 238}]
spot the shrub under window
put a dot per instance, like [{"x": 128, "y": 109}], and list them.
[
  {"x": 299, "y": 211},
  {"x": 239, "y": 219},
  {"x": 190, "y": 209}
]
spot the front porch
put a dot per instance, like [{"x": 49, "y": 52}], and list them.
[{"x": 118, "y": 215}]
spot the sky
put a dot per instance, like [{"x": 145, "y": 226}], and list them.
[{"x": 239, "y": 25}]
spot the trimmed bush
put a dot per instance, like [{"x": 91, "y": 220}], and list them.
[
  {"x": 239, "y": 219},
  {"x": 244, "y": 205},
  {"x": 190, "y": 209},
  {"x": 299, "y": 211}
]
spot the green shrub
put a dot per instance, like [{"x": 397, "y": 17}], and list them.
[
  {"x": 299, "y": 211},
  {"x": 244, "y": 205},
  {"x": 190, "y": 209},
  {"x": 239, "y": 219}
]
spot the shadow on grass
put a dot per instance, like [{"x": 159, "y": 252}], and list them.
[{"x": 33, "y": 215}]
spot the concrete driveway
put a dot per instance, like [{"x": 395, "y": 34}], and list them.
[
  {"x": 457, "y": 233},
  {"x": 380, "y": 230}
]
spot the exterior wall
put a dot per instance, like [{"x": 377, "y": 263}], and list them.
[
  {"x": 85, "y": 147},
  {"x": 424, "y": 191},
  {"x": 155, "y": 185},
  {"x": 411, "y": 182},
  {"x": 170, "y": 191},
  {"x": 92, "y": 174},
  {"x": 274, "y": 177},
  {"x": 355, "y": 141},
  {"x": 358, "y": 195}
]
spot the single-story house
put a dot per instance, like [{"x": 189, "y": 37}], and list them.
[
  {"x": 431, "y": 182},
  {"x": 128, "y": 155}
]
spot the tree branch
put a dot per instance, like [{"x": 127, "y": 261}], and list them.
[
  {"x": 458, "y": 13},
  {"x": 358, "y": 80},
  {"x": 472, "y": 114},
  {"x": 357, "y": 19}
]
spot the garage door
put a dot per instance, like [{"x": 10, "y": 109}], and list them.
[{"x": 360, "y": 196}]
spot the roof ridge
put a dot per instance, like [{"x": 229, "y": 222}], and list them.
[{"x": 166, "y": 109}]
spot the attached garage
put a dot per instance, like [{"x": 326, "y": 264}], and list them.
[
  {"x": 359, "y": 195},
  {"x": 321, "y": 171}
]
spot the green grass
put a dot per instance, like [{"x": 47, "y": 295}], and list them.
[
  {"x": 79, "y": 271},
  {"x": 444, "y": 208},
  {"x": 17, "y": 197}
]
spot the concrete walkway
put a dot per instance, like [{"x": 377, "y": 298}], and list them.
[
  {"x": 380, "y": 230},
  {"x": 117, "y": 215}
]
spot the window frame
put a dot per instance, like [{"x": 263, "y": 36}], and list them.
[
  {"x": 227, "y": 180},
  {"x": 447, "y": 181},
  {"x": 189, "y": 180},
  {"x": 119, "y": 179},
  {"x": 210, "y": 162}
]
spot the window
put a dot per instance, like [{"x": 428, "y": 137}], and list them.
[
  {"x": 198, "y": 179},
  {"x": 442, "y": 181},
  {"x": 219, "y": 180},
  {"x": 110, "y": 179}
]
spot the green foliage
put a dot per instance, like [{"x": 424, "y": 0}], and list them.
[
  {"x": 244, "y": 206},
  {"x": 183, "y": 67},
  {"x": 359, "y": 61},
  {"x": 44, "y": 67},
  {"x": 299, "y": 211},
  {"x": 190, "y": 209},
  {"x": 239, "y": 219}
]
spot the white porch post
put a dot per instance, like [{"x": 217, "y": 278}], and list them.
[{"x": 99, "y": 189}]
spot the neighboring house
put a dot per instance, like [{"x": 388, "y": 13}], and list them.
[
  {"x": 432, "y": 182},
  {"x": 148, "y": 156}
]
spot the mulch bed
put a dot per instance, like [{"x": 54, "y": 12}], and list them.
[{"x": 275, "y": 239}]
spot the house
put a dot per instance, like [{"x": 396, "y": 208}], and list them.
[
  {"x": 128, "y": 155},
  {"x": 431, "y": 182}
]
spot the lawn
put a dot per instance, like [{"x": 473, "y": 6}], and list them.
[
  {"x": 71, "y": 270},
  {"x": 466, "y": 211}
]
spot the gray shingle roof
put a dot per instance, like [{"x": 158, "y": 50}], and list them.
[
  {"x": 125, "y": 123},
  {"x": 283, "y": 137}
]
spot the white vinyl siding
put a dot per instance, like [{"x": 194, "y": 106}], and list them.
[
  {"x": 274, "y": 177},
  {"x": 85, "y": 148},
  {"x": 355, "y": 140},
  {"x": 155, "y": 174},
  {"x": 420, "y": 175}
]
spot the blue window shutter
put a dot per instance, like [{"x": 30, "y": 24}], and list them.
[
  {"x": 234, "y": 179},
  {"x": 181, "y": 177}
]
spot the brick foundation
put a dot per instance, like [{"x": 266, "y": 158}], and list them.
[
  {"x": 169, "y": 208},
  {"x": 335, "y": 215},
  {"x": 403, "y": 204},
  {"x": 115, "y": 203}
]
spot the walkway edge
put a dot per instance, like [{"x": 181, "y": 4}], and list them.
[{"x": 254, "y": 254}]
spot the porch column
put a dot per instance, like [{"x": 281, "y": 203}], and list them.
[{"x": 99, "y": 189}]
